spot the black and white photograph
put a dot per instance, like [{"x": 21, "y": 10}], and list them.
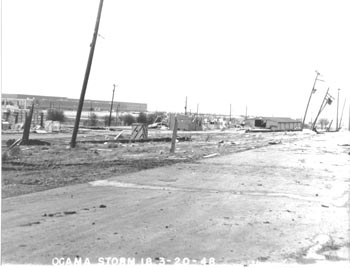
[{"x": 175, "y": 132}]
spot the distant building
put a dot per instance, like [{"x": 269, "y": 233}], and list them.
[
  {"x": 46, "y": 102},
  {"x": 273, "y": 123},
  {"x": 185, "y": 122}
]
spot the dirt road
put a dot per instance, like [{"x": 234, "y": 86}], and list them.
[{"x": 282, "y": 203}]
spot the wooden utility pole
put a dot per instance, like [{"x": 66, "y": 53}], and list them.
[
  {"x": 186, "y": 106},
  {"x": 326, "y": 100},
  {"x": 110, "y": 111},
  {"x": 313, "y": 90},
  {"x": 337, "y": 125},
  {"x": 173, "y": 139},
  {"x": 341, "y": 116},
  {"x": 86, "y": 77},
  {"x": 27, "y": 124}
]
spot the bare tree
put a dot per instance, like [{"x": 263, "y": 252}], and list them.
[{"x": 323, "y": 122}]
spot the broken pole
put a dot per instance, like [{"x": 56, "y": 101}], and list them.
[
  {"x": 323, "y": 105},
  {"x": 337, "y": 124},
  {"x": 27, "y": 124},
  {"x": 42, "y": 119},
  {"x": 341, "y": 116},
  {"x": 329, "y": 126},
  {"x": 313, "y": 90},
  {"x": 110, "y": 112},
  {"x": 86, "y": 77},
  {"x": 173, "y": 140}
]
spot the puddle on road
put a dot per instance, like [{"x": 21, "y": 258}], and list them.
[{"x": 246, "y": 193}]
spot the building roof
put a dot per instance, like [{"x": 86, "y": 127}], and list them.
[
  {"x": 64, "y": 103},
  {"x": 277, "y": 119}
]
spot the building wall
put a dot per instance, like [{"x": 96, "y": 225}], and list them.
[
  {"x": 184, "y": 122},
  {"x": 274, "y": 125},
  {"x": 249, "y": 123},
  {"x": 19, "y": 117},
  {"x": 47, "y": 102}
]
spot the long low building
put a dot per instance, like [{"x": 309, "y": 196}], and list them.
[
  {"x": 23, "y": 101},
  {"x": 273, "y": 123}
]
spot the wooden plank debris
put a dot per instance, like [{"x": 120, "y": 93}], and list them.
[
  {"x": 119, "y": 134},
  {"x": 165, "y": 139},
  {"x": 139, "y": 131},
  {"x": 210, "y": 155}
]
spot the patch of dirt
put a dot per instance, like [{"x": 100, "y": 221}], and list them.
[{"x": 42, "y": 167}]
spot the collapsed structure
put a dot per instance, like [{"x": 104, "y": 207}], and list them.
[{"x": 186, "y": 122}]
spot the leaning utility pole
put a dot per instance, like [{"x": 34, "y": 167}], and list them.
[
  {"x": 328, "y": 99},
  {"x": 110, "y": 112},
  {"x": 337, "y": 125},
  {"x": 27, "y": 124},
  {"x": 341, "y": 116},
  {"x": 308, "y": 103},
  {"x": 173, "y": 139},
  {"x": 86, "y": 77}
]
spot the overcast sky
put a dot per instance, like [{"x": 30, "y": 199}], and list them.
[{"x": 258, "y": 53}]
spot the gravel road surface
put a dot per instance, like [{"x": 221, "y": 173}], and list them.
[{"x": 282, "y": 203}]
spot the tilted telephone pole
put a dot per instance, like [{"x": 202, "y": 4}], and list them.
[
  {"x": 328, "y": 99},
  {"x": 337, "y": 125},
  {"x": 86, "y": 77},
  {"x": 341, "y": 116},
  {"x": 110, "y": 112},
  {"x": 313, "y": 90}
]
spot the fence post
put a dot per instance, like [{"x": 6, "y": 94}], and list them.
[
  {"x": 173, "y": 140},
  {"x": 42, "y": 119}
]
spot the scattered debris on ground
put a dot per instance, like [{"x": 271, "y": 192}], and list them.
[{"x": 49, "y": 162}]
